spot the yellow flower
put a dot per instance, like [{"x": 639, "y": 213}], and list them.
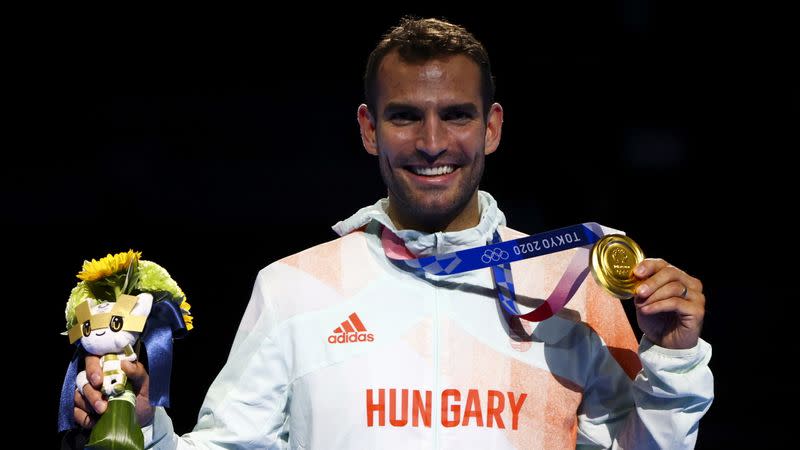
[
  {"x": 187, "y": 316},
  {"x": 94, "y": 270}
]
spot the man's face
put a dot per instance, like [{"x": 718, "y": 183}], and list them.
[{"x": 430, "y": 135}]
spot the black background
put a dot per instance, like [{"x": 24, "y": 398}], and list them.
[{"x": 217, "y": 142}]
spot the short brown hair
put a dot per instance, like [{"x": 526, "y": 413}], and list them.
[{"x": 420, "y": 40}]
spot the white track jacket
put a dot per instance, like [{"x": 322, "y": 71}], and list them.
[{"x": 340, "y": 348}]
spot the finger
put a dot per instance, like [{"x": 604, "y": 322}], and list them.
[
  {"x": 140, "y": 380},
  {"x": 667, "y": 276},
  {"x": 82, "y": 413},
  {"x": 696, "y": 297},
  {"x": 84, "y": 419},
  {"x": 655, "y": 268},
  {"x": 80, "y": 402},
  {"x": 137, "y": 375},
  {"x": 648, "y": 267},
  {"x": 663, "y": 274},
  {"x": 669, "y": 290},
  {"x": 81, "y": 381},
  {"x": 693, "y": 284},
  {"x": 672, "y": 304},
  {"x": 94, "y": 373},
  {"x": 95, "y": 398}
]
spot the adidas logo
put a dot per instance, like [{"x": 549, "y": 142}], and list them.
[{"x": 351, "y": 331}]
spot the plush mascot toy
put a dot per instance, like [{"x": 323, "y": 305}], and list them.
[{"x": 120, "y": 302}]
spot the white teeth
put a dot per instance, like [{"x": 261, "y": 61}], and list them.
[{"x": 433, "y": 171}]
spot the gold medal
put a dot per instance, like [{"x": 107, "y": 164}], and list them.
[{"x": 612, "y": 261}]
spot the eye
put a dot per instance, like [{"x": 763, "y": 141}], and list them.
[
  {"x": 116, "y": 323},
  {"x": 457, "y": 116},
  {"x": 403, "y": 117},
  {"x": 86, "y": 328}
]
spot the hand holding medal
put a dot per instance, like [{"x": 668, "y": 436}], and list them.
[{"x": 670, "y": 304}]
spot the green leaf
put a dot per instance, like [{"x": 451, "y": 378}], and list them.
[
  {"x": 160, "y": 296},
  {"x": 117, "y": 428},
  {"x": 131, "y": 277},
  {"x": 107, "y": 288},
  {"x": 102, "y": 290}
]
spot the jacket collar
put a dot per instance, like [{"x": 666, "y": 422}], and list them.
[{"x": 423, "y": 244}]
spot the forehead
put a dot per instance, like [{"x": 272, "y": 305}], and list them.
[{"x": 442, "y": 80}]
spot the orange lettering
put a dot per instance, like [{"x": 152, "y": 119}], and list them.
[
  {"x": 473, "y": 408},
  {"x": 493, "y": 411},
  {"x": 456, "y": 408},
  {"x": 515, "y": 407},
  {"x": 453, "y": 413},
  {"x": 380, "y": 407},
  {"x": 393, "y": 408},
  {"x": 421, "y": 409}
]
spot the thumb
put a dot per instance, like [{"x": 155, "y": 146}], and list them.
[
  {"x": 138, "y": 377},
  {"x": 141, "y": 386}
]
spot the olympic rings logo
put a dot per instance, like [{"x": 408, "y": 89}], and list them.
[{"x": 494, "y": 255}]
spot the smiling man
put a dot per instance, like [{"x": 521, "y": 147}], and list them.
[
  {"x": 431, "y": 131},
  {"x": 356, "y": 343}
]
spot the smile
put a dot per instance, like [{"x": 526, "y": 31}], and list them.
[
  {"x": 433, "y": 171},
  {"x": 100, "y": 334}
]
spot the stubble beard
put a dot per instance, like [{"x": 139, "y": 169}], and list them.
[{"x": 429, "y": 210}]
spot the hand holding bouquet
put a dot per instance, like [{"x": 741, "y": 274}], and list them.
[{"x": 120, "y": 301}]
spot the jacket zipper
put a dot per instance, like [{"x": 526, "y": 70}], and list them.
[{"x": 437, "y": 410}]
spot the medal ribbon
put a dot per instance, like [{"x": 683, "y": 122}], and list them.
[{"x": 498, "y": 255}]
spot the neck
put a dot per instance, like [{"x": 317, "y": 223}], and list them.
[{"x": 466, "y": 217}]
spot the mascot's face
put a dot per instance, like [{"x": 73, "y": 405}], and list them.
[
  {"x": 112, "y": 335},
  {"x": 105, "y": 340}
]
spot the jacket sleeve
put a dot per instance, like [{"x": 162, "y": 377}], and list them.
[
  {"x": 246, "y": 405},
  {"x": 660, "y": 409}
]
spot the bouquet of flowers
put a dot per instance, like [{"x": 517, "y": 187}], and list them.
[{"x": 120, "y": 302}]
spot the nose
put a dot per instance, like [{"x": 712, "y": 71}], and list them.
[{"x": 432, "y": 138}]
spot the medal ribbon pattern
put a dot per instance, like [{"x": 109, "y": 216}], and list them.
[{"x": 498, "y": 255}]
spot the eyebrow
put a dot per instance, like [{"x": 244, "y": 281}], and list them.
[
  {"x": 393, "y": 107},
  {"x": 462, "y": 107}
]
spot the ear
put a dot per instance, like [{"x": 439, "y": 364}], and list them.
[
  {"x": 494, "y": 128},
  {"x": 367, "y": 125},
  {"x": 143, "y": 305}
]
